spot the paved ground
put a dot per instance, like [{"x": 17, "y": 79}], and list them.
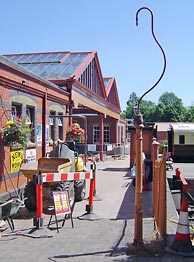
[{"x": 105, "y": 238}]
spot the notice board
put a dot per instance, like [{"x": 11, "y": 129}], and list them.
[{"x": 61, "y": 202}]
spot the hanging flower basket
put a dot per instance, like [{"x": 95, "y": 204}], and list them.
[
  {"x": 15, "y": 133},
  {"x": 75, "y": 132}
]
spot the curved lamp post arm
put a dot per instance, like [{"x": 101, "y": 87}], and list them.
[
  {"x": 164, "y": 56},
  {"x": 139, "y": 149}
]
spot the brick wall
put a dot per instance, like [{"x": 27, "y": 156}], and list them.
[{"x": 13, "y": 89}]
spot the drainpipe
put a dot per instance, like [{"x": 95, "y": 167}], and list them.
[
  {"x": 44, "y": 123},
  {"x": 101, "y": 136}
]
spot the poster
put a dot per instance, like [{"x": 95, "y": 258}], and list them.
[
  {"x": 31, "y": 155},
  {"x": 39, "y": 134},
  {"x": 61, "y": 202},
  {"x": 16, "y": 160},
  {"x": 47, "y": 135}
]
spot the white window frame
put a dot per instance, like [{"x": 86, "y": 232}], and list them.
[
  {"x": 28, "y": 117},
  {"x": 94, "y": 133},
  {"x": 108, "y": 130},
  {"x": 51, "y": 121},
  {"x": 60, "y": 122},
  {"x": 13, "y": 112}
]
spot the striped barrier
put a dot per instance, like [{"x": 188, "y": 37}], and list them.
[
  {"x": 54, "y": 177},
  {"x": 89, "y": 215}
]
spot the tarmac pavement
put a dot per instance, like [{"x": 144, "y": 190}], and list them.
[{"x": 104, "y": 238}]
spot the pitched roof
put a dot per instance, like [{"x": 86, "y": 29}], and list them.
[
  {"x": 182, "y": 127},
  {"x": 7, "y": 62},
  {"x": 50, "y": 65},
  {"x": 162, "y": 126},
  {"x": 111, "y": 91},
  {"x": 57, "y": 67}
]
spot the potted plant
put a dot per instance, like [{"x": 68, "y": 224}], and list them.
[
  {"x": 75, "y": 132},
  {"x": 15, "y": 133}
]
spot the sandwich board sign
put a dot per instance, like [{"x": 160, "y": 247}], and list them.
[{"x": 61, "y": 202}]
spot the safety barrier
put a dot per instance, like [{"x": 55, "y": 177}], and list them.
[
  {"x": 89, "y": 215},
  {"x": 182, "y": 244},
  {"x": 56, "y": 177}
]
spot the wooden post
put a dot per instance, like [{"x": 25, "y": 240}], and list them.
[{"x": 138, "y": 229}]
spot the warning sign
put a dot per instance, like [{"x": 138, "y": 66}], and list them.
[
  {"x": 61, "y": 202},
  {"x": 16, "y": 160}
]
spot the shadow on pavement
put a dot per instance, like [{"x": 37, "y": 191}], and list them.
[
  {"x": 115, "y": 169},
  {"x": 126, "y": 210}
]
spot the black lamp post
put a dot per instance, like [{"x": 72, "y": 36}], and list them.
[{"x": 138, "y": 239}]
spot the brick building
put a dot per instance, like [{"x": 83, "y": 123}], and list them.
[{"x": 41, "y": 85}]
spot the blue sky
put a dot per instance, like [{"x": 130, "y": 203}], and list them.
[{"x": 126, "y": 51}]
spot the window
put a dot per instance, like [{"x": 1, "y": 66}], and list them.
[
  {"x": 51, "y": 121},
  {"x": 52, "y": 127},
  {"x": 106, "y": 134},
  {"x": 16, "y": 111},
  {"x": 13, "y": 112},
  {"x": 56, "y": 126},
  {"x": 60, "y": 127},
  {"x": 28, "y": 116},
  {"x": 181, "y": 139},
  {"x": 30, "y": 120},
  {"x": 96, "y": 134},
  {"x": 60, "y": 122}
]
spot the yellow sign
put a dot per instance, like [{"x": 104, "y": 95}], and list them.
[{"x": 16, "y": 160}]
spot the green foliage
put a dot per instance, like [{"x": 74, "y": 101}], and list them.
[
  {"x": 189, "y": 115},
  {"x": 163, "y": 145},
  {"x": 170, "y": 108},
  {"x": 129, "y": 112},
  {"x": 148, "y": 110},
  {"x": 16, "y": 132}
]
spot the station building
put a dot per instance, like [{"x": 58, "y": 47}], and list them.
[{"x": 51, "y": 90}]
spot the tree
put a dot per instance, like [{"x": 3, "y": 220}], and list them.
[
  {"x": 147, "y": 108},
  {"x": 189, "y": 115},
  {"x": 129, "y": 112},
  {"x": 167, "y": 98},
  {"x": 170, "y": 108}
]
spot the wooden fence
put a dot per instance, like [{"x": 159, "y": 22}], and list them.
[{"x": 159, "y": 191}]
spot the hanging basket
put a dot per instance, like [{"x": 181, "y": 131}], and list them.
[
  {"x": 75, "y": 133},
  {"x": 15, "y": 133}
]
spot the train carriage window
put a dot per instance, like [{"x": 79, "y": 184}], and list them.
[{"x": 181, "y": 139}]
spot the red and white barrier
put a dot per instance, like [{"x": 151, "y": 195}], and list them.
[
  {"x": 89, "y": 215},
  {"x": 54, "y": 177}
]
